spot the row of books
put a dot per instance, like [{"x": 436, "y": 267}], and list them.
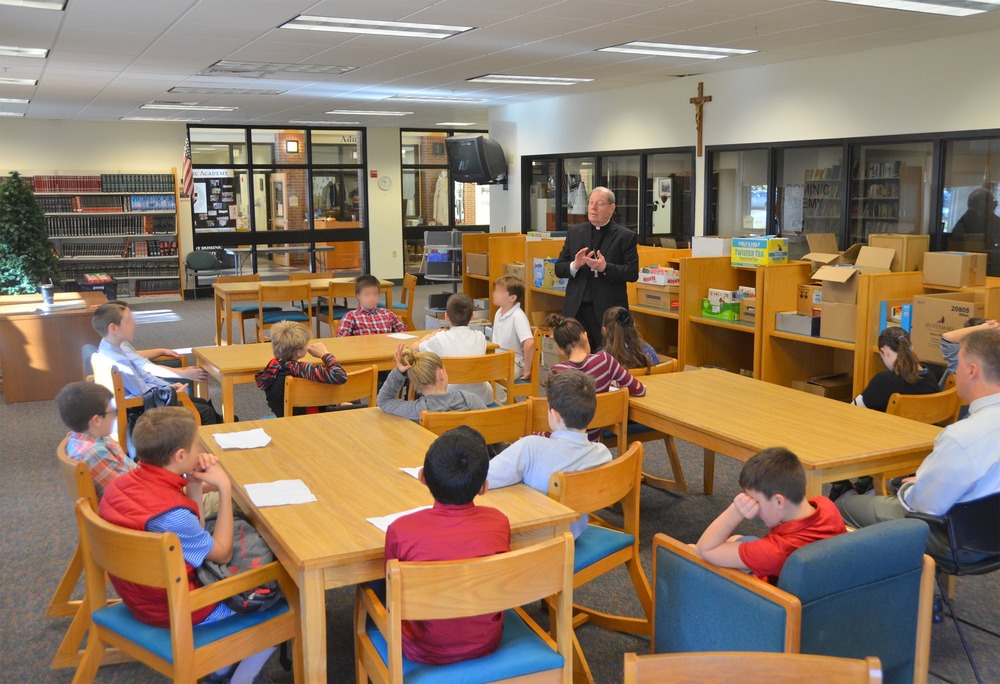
[
  {"x": 888, "y": 169},
  {"x": 128, "y": 249},
  {"x": 131, "y": 270},
  {"x": 877, "y": 210},
  {"x": 830, "y": 173},
  {"x": 147, "y": 288},
  {"x": 124, "y": 203},
  {"x": 150, "y": 248},
  {"x": 106, "y": 182},
  {"x": 889, "y": 190},
  {"x": 83, "y": 226}
]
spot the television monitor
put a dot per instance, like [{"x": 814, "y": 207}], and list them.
[{"x": 476, "y": 159}]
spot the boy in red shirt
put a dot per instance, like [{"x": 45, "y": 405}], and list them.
[
  {"x": 774, "y": 486},
  {"x": 455, "y": 528}
]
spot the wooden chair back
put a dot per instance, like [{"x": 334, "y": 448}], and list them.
[
  {"x": 408, "y": 296},
  {"x": 532, "y": 387},
  {"x": 306, "y": 275},
  {"x": 751, "y": 668},
  {"x": 361, "y": 384},
  {"x": 497, "y": 367},
  {"x": 250, "y": 278},
  {"x": 76, "y": 476},
  {"x": 268, "y": 293},
  {"x": 668, "y": 366},
  {"x": 592, "y": 489},
  {"x": 504, "y": 424},
  {"x": 611, "y": 414},
  {"x": 940, "y": 408}
]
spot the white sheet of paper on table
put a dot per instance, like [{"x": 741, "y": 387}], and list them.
[
  {"x": 384, "y": 521},
  {"x": 401, "y": 336},
  {"x": 413, "y": 472},
  {"x": 279, "y": 493},
  {"x": 247, "y": 439}
]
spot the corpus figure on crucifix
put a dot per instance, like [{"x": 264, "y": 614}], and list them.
[{"x": 698, "y": 103}]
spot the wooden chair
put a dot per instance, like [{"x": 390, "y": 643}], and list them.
[
  {"x": 107, "y": 374},
  {"x": 328, "y": 312},
  {"x": 611, "y": 415},
  {"x": 243, "y": 311},
  {"x": 503, "y": 424},
  {"x": 749, "y": 668},
  {"x": 531, "y": 388},
  {"x": 454, "y": 589},
  {"x": 404, "y": 307},
  {"x": 156, "y": 560},
  {"x": 282, "y": 293},
  {"x": 361, "y": 384},
  {"x": 603, "y": 547},
  {"x": 492, "y": 368},
  {"x": 645, "y": 434},
  {"x": 79, "y": 485}
]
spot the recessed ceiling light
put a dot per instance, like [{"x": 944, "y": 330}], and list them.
[
  {"x": 188, "y": 107},
  {"x": 158, "y": 118},
  {"x": 432, "y": 98},
  {"x": 11, "y": 113},
  {"x": 359, "y": 112},
  {"x": 325, "y": 123},
  {"x": 376, "y": 28},
  {"x": 953, "y": 8},
  {"x": 229, "y": 67},
  {"x": 528, "y": 80},
  {"x": 192, "y": 90},
  {"x": 13, "y": 100},
  {"x": 455, "y": 123},
  {"x": 18, "y": 81},
  {"x": 10, "y": 51},
  {"x": 674, "y": 50},
  {"x": 58, "y": 5}
]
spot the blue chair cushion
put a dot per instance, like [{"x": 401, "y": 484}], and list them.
[
  {"x": 521, "y": 381},
  {"x": 156, "y": 640},
  {"x": 251, "y": 307},
  {"x": 596, "y": 543},
  {"x": 285, "y": 315},
  {"x": 521, "y": 652},
  {"x": 633, "y": 429},
  {"x": 338, "y": 311}
]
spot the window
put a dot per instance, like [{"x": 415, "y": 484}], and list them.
[
  {"x": 970, "y": 218},
  {"x": 809, "y": 194},
  {"x": 738, "y": 192},
  {"x": 889, "y": 189},
  {"x": 670, "y": 198}
]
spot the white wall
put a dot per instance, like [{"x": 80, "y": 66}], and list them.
[
  {"x": 948, "y": 84},
  {"x": 385, "y": 207}
]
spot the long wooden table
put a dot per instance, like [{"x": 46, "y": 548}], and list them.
[
  {"x": 738, "y": 416},
  {"x": 227, "y": 293},
  {"x": 350, "y": 461}
]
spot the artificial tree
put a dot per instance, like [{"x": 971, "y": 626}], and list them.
[{"x": 26, "y": 259}]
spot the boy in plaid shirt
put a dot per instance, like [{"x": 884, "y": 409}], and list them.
[
  {"x": 290, "y": 342},
  {"x": 369, "y": 318},
  {"x": 88, "y": 411}
]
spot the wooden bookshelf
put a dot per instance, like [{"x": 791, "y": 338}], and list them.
[
  {"x": 537, "y": 298},
  {"x": 660, "y": 328},
  {"x": 502, "y": 248}
]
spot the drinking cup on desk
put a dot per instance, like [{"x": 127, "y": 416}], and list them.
[{"x": 48, "y": 292}]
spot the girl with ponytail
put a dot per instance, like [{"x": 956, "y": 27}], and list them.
[
  {"x": 623, "y": 342},
  {"x": 429, "y": 379}
]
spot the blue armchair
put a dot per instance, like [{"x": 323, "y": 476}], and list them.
[{"x": 864, "y": 593}]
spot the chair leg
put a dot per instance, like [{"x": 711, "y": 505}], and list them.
[
  {"x": 91, "y": 661},
  {"x": 709, "y": 476},
  {"x": 62, "y": 603},
  {"x": 581, "y": 668},
  {"x": 678, "y": 484},
  {"x": 958, "y": 628},
  {"x": 70, "y": 654}
]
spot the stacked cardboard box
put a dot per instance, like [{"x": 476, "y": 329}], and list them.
[
  {"x": 955, "y": 269},
  {"x": 658, "y": 288},
  {"x": 759, "y": 251},
  {"x": 934, "y": 315},
  {"x": 840, "y": 291},
  {"x": 910, "y": 249}
]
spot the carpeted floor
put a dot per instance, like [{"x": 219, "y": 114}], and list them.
[{"x": 37, "y": 538}]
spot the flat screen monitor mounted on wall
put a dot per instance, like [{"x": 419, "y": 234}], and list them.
[{"x": 476, "y": 159}]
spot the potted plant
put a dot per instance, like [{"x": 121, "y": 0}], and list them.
[{"x": 26, "y": 258}]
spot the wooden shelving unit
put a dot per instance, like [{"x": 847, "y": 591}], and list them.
[
  {"x": 502, "y": 248},
  {"x": 537, "y": 298},
  {"x": 659, "y": 328}
]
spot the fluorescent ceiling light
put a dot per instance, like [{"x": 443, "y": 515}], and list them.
[
  {"x": 952, "y": 8},
  {"x": 158, "y": 118},
  {"x": 528, "y": 80},
  {"x": 325, "y": 123},
  {"x": 673, "y": 50},
  {"x": 432, "y": 98},
  {"x": 455, "y": 123},
  {"x": 359, "y": 112},
  {"x": 18, "y": 81},
  {"x": 58, "y": 5},
  {"x": 13, "y": 100},
  {"x": 188, "y": 107},
  {"x": 375, "y": 28},
  {"x": 230, "y": 67},
  {"x": 10, "y": 51},
  {"x": 189, "y": 90},
  {"x": 11, "y": 113}
]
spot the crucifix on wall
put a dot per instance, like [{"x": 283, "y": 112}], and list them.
[{"x": 698, "y": 103}]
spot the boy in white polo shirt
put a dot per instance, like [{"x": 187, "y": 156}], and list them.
[
  {"x": 459, "y": 340},
  {"x": 511, "y": 329}
]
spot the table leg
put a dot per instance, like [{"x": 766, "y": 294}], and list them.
[
  {"x": 218, "y": 317},
  {"x": 229, "y": 319},
  {"x": 228, "y": 400},
  {"x": 312, "y": 609},
  {"x": 814, "y": 483},
  {"x": 709, "y": 477}
]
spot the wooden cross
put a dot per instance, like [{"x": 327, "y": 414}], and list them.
[{"x": 698, "y": 103}]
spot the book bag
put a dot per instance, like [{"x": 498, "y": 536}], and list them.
[{"x": 249, "y": 552}]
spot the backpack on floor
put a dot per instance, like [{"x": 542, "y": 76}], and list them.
[{"x": 249, "y": 552}]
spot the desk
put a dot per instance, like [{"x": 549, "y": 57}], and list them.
[
  {"x": 227, "y": 293},
  {"x": 41, "y": 352},
  {"x": 350, "y": 460},
  {"x": 738, "y": 416},
  {"x": 238, "y": 363},
  {"x": 241, "y": 253}
]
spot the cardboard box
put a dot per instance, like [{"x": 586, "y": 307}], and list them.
[
  {"x": 955, "y": 269},
  {"x": 748, "y": 309},
  {"x": 711, "y": 246},
  {"x": 789, "y": 321},
  {"x": 544, "y": 272},
  {"x": 481, "y": 304},
  {"x": 810, "y": 299},
  {"x": 550, "y": 352},
  {"x": 477, "y": 263},
  {"x": 432, "y": 322},
  {"x": 823, "y": 250},
  {"x": 934, "y": 315},
  {"x": 759, "y": 251},
  {"x": 724, "y": 311},
  {"x": 744, "y": 291},
  {"x": 837, "y": 386},
  {"x": 654, "y": 275},
  {"x": 653, "y": 297},
  {"x": 839, "y": 321},
  {"x": 717, "y": 296},
  {"x": 910, "y": 249},
  {"x": 840, "y": 282},
  {"x": 516, "y": 269}
]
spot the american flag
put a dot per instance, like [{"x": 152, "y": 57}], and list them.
[{"x": 187, "y": 175}]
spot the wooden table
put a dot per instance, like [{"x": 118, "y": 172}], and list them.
[
  {"x": 350, "y": 461},
  {"x": 227, "y": 293},
  {"x": 738, "y": 416},
  {"x": 41, "y": 352}
]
